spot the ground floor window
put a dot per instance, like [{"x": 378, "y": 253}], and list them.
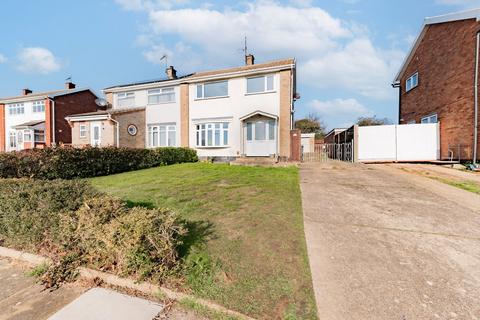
[
  {"x": 39, "y": 136},
  {"x": 212, "y": 134},
  {"x": 12, "y": 141},
  {"x": 162, "y": 135},
  {"x": 27, "y": 136},
  {"x": 430, "y": 119}
]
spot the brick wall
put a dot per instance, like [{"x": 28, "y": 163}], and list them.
[
  {"x": 296, "y": 145},
  {"x": 2, "y": 128},
  {"x": 445, "y": 61},
  {"x": 66, "y": 105},
  {"x": 285, "y": 112},
  {"x": 136, "y": 118}
]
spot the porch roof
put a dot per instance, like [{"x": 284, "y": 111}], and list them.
[
  {"x": 259, "y": 113},
  {"x": 30, "y": 124}
]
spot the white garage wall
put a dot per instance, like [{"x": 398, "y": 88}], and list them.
[
  {"x": 376, "y": 143},
  {"x": 409, "y": 142}
]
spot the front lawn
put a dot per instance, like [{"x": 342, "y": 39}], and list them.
[{"x": 246, "y": 247}]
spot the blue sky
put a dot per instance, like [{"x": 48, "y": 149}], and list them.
[{"x": 347, "y": 51}]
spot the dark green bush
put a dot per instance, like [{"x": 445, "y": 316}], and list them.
[
  {"x": 69, "y": 163},
  {"x": 64, "y": 219}
]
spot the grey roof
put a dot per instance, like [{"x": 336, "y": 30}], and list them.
[
  {"x": 159, "y": 80},
  {"x": 45, "y": 94},
  {"x": 29, "y": 124}
]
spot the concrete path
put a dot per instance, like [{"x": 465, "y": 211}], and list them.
[
  {"x": 386, "y": 244},
  {"x": 21, "y": 298}
]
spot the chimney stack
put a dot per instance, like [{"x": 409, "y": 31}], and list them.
[
  {"x": 249, "y": 60},
  {"x": 69, "y": 85},
  {"x": 171, "y": 73},
  {"x": 26, "y": 92}
]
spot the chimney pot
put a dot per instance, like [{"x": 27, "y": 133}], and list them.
[
  {"x": 249, "y": 60},
  {"x": 70, "y": 85},
  {"x": 171, "y": 73},
  {"x": 26, "y": 91}
]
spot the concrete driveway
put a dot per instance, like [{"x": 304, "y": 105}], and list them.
[{"x": 387, "y": 244}]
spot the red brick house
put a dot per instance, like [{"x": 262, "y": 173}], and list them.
[
  {"x": 35, "y": 120},
  {"x": 438, "y": 82}
]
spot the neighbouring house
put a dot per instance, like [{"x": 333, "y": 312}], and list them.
[
  {"x": 438, "y": 82},
  {"x": 228, "y": 113},
  {"x": 36, "y": 120},
  {"x": 333, "y": 136}
]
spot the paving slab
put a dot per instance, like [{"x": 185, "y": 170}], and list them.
[{"x": 102, "y": 304}]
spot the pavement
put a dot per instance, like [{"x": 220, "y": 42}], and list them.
[
  {"x": 388, "y": 244},
  {"x": 23, "y": 299}
]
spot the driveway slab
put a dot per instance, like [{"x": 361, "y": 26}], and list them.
[
  {"x": 385, "y": 244},
  {"x": 100, "y": 304}
]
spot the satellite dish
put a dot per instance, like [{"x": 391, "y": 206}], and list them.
[
  {"x": 296, "y": 96},
  {"x": 101, "y": 102}
]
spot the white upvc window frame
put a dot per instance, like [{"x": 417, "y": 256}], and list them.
[
  {"x": 206, "y": 134},
  {"x": 16, "y": 109},
  {"x": 12, "y": 140},
  {"x": 412, "y": 82},
  {"x": 432, "y": 118},
  {"x": 202, "y": 86},
  {"x": 27, "y": 135},
  {"x": 161, "y": 92},
  {"x": 37, "y": 134},
  {"x": 170, "y": 131},
  {"x": 265, "y": 84},
  {"x": 122, "y": 97},
  {"x": 38, "y": 106},
  {"x": 83, "y": 130}
]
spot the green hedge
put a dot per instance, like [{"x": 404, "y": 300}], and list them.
[
  {"x": 69, "y": 220},
  {"x": 69, "y": 163}
]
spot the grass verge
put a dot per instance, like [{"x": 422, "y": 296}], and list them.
[
  {"x": 245, "y": 248},
  {"x": 470, "y": 186}
]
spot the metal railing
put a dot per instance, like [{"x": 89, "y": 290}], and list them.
[{"x": 334, "y": 151}]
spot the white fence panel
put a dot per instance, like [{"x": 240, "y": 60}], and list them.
[
  {"x": 418, "y": 142},
  {"x": 408, "y": 142},
  {"x": 376, "y": 143}
]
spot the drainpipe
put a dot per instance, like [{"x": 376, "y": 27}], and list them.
[
  {"x": 398, "y": 85},
  {"x": 475, "y": 131},
  {"x": 117, "y": 125}
]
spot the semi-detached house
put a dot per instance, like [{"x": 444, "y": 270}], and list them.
[
  {"x": 228, "y": 113},
  {"x": 34, "y": 120}
]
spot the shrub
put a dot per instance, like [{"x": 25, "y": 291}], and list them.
[
  {"x": 69, "y": 163},
  {"x": 75, "y": 225}
]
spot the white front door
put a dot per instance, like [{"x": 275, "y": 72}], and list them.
[
  {"x": 96, "y": 134},
  {"x": 260, "y": 137}
]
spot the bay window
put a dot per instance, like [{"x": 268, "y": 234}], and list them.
[
  {"x": 212, "y": 134},
  {"x": 162, "y": 135}
]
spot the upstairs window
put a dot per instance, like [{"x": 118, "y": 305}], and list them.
[
  {"x": 260, "y": 84},
  {"x": 430, "y": 119},
  {"x": 163, "y": 95},
  {"x": 126, "y": 99},
  {"x": 17, "y": 108},
  {"x": 38, "y": 106},
  {"x": 212, "y": 90},
  {"x": 412, "y": 82}
]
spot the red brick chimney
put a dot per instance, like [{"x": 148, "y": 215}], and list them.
[
  {"x": 26, "y": 91},
  {"x": 249, "y": 60},
  {"x": 171, "y": 73},
  {"x": 69, "y": 85}
]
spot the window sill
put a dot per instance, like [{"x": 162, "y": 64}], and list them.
[
  {"x": 156, "y": 104},
  {"x": 255, "y": 93},
  {"x": 211, "y": 98},
  {"x": 212, "y": 147}
]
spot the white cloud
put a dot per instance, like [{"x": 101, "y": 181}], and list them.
[
  {"x": 331, "y": 53},
  {"x": 340, "y": 107},
  {"x": 3, "y": 59},
  {"x": 37, "y": 60}
]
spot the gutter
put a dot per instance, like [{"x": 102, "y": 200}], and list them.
[{"x": 475, "y": 131}]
